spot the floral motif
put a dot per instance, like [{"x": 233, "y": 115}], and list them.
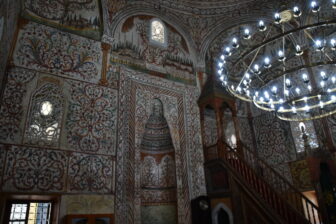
[
  {"x": 11, "y": 109},
  {"x": 90, "y": 173},
  {"x": 92, "y": 118},
  {"x": 31, "y": 169},
  {"x": 45, "y": 49}
]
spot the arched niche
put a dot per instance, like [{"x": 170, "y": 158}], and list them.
[
  {"x": 217, "y": 211},
  {"x": 229, "y": 130}
]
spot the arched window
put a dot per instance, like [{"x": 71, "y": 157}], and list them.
[
  {"x": 158, "y": 32},
  {"x": 45, "y": 114}
]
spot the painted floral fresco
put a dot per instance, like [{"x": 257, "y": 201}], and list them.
[
  {"x": 92, "y": 118},
  {"x": 47, "y": 50},
  {"x": 80, "y": 17},
  {"x": 30, "y": 169},
  {"x": 12, "y": 110}
]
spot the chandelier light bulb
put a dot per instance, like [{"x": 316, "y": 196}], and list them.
[
  {"x": 247, "y": 75},
  {"x": 247, "y": 34},
  {"x": 319, "y": 45},
  {"x": 333, "y": 79},
  {"x": 277, "y": 18},
  {"x": 222, "y": 57},
  {"x": 322, "y": 83},
  {"x": 266, "y": 94},
  {"x": 315, "y": 6},
  {"x": 222, "y": 78},
  {"x": 297, "y": 90},
  {"x": 281, "y": 55},
  {"x": 220, "y": 64},
  {"x": 307, "y": 108},
  {"x": 239, "y": 89},
  {"x": 310, "y": 88},
  {"x": 261, "y": 26},
  {"x": 305, "y": 99},
  {"x": 261, "y": 99},
  {"x": 235, "y": 43},
  {"x": 248, "y": 93},
  {"x": 294, "y": 110},
  {"x": 333, "y": 98},
  {"x": 267, "y": 62},
  {"x": 333, "y": 43},
  {"x": 297, "y": 12},
  {"x": 227, "y": 51},
  {"x": 288, "y": 83},
  {"x": 299, "y": 51},
  {"x": 256, "y": 69},
  {"x": 281, "y": 109},
  {"x": 321, "y": 104},
  {"x": 281, "y": 101},
  {"x": 274, "y": 90},
  {"x": 286, "y": 92},
  {"x": 305, "y": 78},
  {"x": 256, "y": 94},
  {"x": 324, "y": 76}
]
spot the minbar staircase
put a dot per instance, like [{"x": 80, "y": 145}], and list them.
[{"x": 280, "y": 195}]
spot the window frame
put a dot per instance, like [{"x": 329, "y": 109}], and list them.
[
  {"x": 154, "y": 42},
  {"x": 27, "y": 199}
]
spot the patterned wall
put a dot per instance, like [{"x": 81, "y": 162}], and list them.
[
  {"x": 274, "y": 142},
  {"x": 71, "y": 150}
]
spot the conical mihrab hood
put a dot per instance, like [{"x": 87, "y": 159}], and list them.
[{"x": 157, "y": 136}]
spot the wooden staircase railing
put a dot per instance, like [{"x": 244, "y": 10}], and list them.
[{"x": 273, "y": 188}]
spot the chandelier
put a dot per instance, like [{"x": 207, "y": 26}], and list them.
[{"x": 285, "y": 63}]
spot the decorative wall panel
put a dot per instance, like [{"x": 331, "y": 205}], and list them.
[
  {"x": 47, "y": 50},
  {"x": 245, "y": 132},
  {"x": 87, "y": 204},
  {"x": 81, "y": 17},
  {"x": 137, "y": 92},
  {"x": 92, "y": 118},
  {"x": 210, "y": 127},
  {"x": 274, "y": 139},
  {"x": 301, "y": 175},
  {"x": 163, "y": 214},
  {"x": 12, "y": 108},
  {"x": 35, "y": 170},
  {"x": 90, "y": 173}
]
